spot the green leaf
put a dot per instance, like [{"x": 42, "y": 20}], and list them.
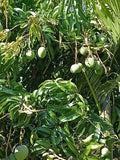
[
  {"x": 8, "y": 91},
  {"x": 44, "y": 143},
  {"x": 51, "y": 50},
  {"x": 72, "y": 146},
  {"x": 53, "y": 116},
  {"x": 20, "y": 11},
  {"x": 69, "y": 117},
  {"x": 2, "y": 81},
  {"x": 93, "y": 158},
  {"x": 94, "y": 146},
  {"x": 56, "y": 137},
  {"x": 44, "y": 130}
]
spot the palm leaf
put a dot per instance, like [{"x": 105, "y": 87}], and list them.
[{"x": 109, "y": 14}]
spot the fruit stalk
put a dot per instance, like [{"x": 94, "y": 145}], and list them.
[
  {"x": 88, "y": 45},
  {"x": 75, "y": 52},
  {"x": 6, "y": 150}
]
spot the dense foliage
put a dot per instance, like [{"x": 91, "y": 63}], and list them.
[{"x": 59, "y": 79}]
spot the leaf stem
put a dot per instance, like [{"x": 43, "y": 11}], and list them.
[{"x": 92, "y": 91}]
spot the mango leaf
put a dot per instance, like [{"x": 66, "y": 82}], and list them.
[
  {"x": 20, "y": 11},
  {"x": 44, "y": 130},
  {"x": 69, "y": 117},
  {"x": 56, "y": 11},
  {"x": 2, "y": 81},
  {"x": 38, "y": 150},
  {"x": 50, "y": 48},
  {"x": 8, "y": 91},
  {"x": 44, "y": 143},
  {"x": 53, "y": 116},
  {"x": 88, "y": 139},
  {"x": 93, "y": 158},
  {"x": 72, "y": 146},
  {"x": 97, "y": 132},
  {"x": 56, "y": 137},
  {"x": 94, "y": 146}
]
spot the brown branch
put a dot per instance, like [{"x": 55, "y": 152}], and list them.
[
  {"x": 101, "y": 63},
  {"x": 7, "y": 114},
  {"x": 6, "y": 16}
]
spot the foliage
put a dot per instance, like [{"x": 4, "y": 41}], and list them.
[
  {"x": 75, "y": 118},
  {"x": 55, "y": 117}
]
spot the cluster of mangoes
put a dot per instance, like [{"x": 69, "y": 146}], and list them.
[
  {"x": 90, "y": 62},
  {"x": 41, "y": 53}
]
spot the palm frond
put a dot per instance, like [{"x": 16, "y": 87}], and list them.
[{"x": 109, "y": 14}]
